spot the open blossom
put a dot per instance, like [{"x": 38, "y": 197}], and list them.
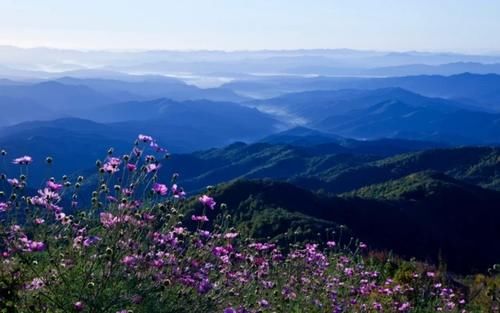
[
  {"x": 330, "y": 244},
  {"x": 131, "y": 167},
  {"x": 130, "y": 260},
  {"x": 24, "y": 160},
  {"x": 178, "y": 191},
  {"x": 145, "y": 138},
  {"x": 231, "y": 235},
  {"x": 79, "y": 306},
  {"x": 3, "y": 206},
  {"x": 207, "y": 201},
  {"x": 13, "y": 182},
  {"x": 200, "y": 218},
  {"x": 156, "y": 147},
  {"x": 152, "y": 167},
  {"x": 34, "y": 246},
  {"x": 35, "y": 284},
  {"x": 54, "y": 186},
  {"x": 49, "y": 195},
  {"x": 108, "y": 220},
  {"x": 112, "y": 165},
  {"x": 90, "y": 241},
  {"x": 160, "y": 189}
]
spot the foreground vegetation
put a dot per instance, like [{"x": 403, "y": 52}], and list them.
[{"x": 134, "y": 250}]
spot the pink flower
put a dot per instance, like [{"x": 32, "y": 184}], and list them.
[
  {"x": 79, "y": 306},
  {"x": 130, "y": 260},
  {"x": 362, "y": 245},
  {"x": 156, "y": 147},
  {"x": 145, "y": 138},
  {"x": 160, "y": 189},
  {"x": 13, "y": 182},
  {"x": 90, "y": 241},
  {"x": 48, "y": 195},
  {"x": 152, "y": 167},
  {"x": 3, "y": 207},
  {"x": 39, "y": 221},
  {"x": 178, "y": 191},
  {"x": 207, "y": 201},
  {"x": 24, "y": 160},
  {"x": 200, "y": 218},
  {"x": 35, "y": 246},
  {"x": 35, "y": 284},
  {"x": 54, "y": 186},
  {"x": 404, "y": 307},
  {"x": 330, "y": 244},
  {"x": 131, "y": 167},
  {"x": 231, "y": 235},
  {"x": 108, "y": 220}
]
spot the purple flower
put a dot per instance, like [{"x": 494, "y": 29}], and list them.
[
  {"x": 90, "y": 241},
  {"x": 178, "y": 191},
  {"x": 160, "y": 189},
  {"x": 131, "y": 167},
  {"x": 13, "y": 182},
  {"x": 108, "y": 220},
  {"x": 200, "y": 218},
  {"x": 152, "y": 167},
  {"x": 3, "y": 206},
  {"x": 230, "y": 235},
  {"x": 229, "y": 310},
  {"x": 264, "y": 303},
  {"x": 54, "y": 186},
  {"x": 330, "y": 244},
  {"x": 207, "y": 201},
  {"x": 24, "y": 160},
  {"x": 35, "y": 246},
  {"x": 130, "y": 260},
  {"x": 79, "y": 306}
]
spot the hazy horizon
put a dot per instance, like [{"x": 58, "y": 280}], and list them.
[{"x": 222, "y": 25}]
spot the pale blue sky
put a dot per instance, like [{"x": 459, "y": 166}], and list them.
[{"x": 432, "y": 25}]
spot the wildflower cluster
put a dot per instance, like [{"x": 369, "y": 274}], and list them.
[{"x": 130, "y": 250}]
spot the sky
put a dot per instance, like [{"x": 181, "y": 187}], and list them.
[{"x": 469, "y": 26}]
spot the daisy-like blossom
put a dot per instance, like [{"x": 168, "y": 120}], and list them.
[
  {"x": 160, "y": 189},
  {"x": 230, "y": 235},
  {"x": 3, "y": 207},
  {"x": 157, "y": 147},
  {"x": 79, "y": 306},
  {"x": 130, "y": 260},
  {"x": 331, "y": 244},
  {"x": 108, "y": 220},
  {"x": 49, "y": 195},
  {"x": 207, "y": 201},
  {"x": 24, "y": 160},
  {"x": 35, "y": 284},
  {"x": 112, "y": 165},
  {"x": 131, "y": 167},
  {"x": 13, "y": 182},
  {"x": 90, "y": 241},
  {"x": 54, "y": 186},
  {"x": 199, "y": 218},
  {"x": 145, "y": 138},
  {"x": 152, "y": 167},
  {"x": 178, "y": 192}
]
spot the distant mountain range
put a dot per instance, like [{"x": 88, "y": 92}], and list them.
[
  {"x": 481, "y": 91},
  {"x": 385, "y": 113}
]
